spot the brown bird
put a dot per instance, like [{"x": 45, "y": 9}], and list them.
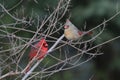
[{"x": 73, "y": 33}]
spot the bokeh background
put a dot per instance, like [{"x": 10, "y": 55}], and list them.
[{"x": 81, "y": 12}]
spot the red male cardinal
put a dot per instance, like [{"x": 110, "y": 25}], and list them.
[
  {"x": 38, "y": 51},
  {"x": 71, "y": 32}
]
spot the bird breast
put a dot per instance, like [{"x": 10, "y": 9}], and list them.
[{"x": 71, "y": 34}]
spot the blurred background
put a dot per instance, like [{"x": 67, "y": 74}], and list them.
[{"x": 81, "y": 12}]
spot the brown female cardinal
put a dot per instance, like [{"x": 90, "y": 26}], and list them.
[
  {"x": 71, "y": 32},
  {"x": 38, "y": 52}
]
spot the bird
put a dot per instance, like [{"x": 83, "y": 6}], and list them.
[
  {"x": 37, "y": 52},
  {"x": 71, "y": 32}
]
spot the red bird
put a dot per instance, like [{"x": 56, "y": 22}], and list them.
[
  {"x": 71, "y": 32},
  {"x": 38, "y": 51}
]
